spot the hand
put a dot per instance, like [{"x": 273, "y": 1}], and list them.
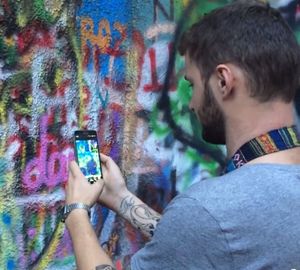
[
  {"x": 79, "y": 190},
  {"x": 114, "y": 184}
]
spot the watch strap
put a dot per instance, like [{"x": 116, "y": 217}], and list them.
[{"x": 68, "y": 208}]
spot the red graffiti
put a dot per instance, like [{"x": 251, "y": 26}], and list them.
[
  {"x": 15, "y": 146},
  {"x": 155, "y": 85},
  {"x": 34, "y": 35},
  {"x": 6, "y": 6},
  {"x": 116, "y": 50}
]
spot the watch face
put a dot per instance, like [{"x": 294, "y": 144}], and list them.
[
  {"x": 66, "y": 209},
  {"x": 65, "y": 213},
  {"x": 105, "y": 267}
]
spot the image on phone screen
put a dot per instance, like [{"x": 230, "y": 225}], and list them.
[{"x": 88, "y": 158}]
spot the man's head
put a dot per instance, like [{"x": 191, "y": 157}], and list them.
[{"x": 245, "y": 43}]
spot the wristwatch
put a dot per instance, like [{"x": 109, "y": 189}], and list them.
[{"x": 68, "y": 208}]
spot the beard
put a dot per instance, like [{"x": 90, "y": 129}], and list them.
[{"x": 212, "y": 118}]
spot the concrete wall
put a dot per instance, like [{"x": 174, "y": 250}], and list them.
[{"x": 90, "y": 64}]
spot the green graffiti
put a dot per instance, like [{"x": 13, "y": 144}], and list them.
[
  {"x": 19, "y": 82},
  {"x": 34, "y": 11},
  {"x": 157, "y": 126},
  {"x": 8, "y": 53},
  {"x": 206, "y": 162},
  {"x": 41, "y": 13},
  {"x": 3, "y": 168},
  {"x": 184, "y": 91}
]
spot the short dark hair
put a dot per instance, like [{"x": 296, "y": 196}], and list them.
[{"x": 253, "y": 36}]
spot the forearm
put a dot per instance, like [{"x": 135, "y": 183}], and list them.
[
  {"x": 138, "y": 214},
  {"x": 88, "y": 252}
]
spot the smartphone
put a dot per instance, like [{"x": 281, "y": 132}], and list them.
[{"x": 87, "y": 154}]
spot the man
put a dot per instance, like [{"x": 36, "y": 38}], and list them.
[{"x": 244, "y": 64}]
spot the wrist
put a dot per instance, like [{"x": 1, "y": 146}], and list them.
[
  {"x": 120, "y": 198},
  {"x": 75, "y": 217},
  {"x": 69, "y": 208}
]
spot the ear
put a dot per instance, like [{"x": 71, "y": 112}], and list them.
[{"x": 225, "y": 80}]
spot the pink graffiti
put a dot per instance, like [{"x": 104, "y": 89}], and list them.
[{"x": 50, "y": 166}]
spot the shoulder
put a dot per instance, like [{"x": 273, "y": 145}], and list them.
[
  {"x": 238, "y": 197},
  {"x": 208, "y": 189},
  {"x": 187, "y": 236},
  {"x": 241, "y": 183}
]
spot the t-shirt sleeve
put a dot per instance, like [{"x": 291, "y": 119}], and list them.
[{"x": 187, "y": 237}]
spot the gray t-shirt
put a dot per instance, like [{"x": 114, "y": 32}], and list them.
[{"x": 248, "y": 219}]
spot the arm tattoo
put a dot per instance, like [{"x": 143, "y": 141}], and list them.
[
  {"x": 141, "y": 216},
  {"x": 105, "y": 267}
]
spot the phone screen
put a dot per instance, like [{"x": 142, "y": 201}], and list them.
[{"x": 87, "y": 154}]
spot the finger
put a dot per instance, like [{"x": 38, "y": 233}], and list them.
[
  {"x": 74, "y": 168},
  {"x": 102, "y": 188},
  {"x": 104, "y": 158}
]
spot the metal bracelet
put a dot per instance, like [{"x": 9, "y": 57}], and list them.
[{"x": 70, "y": 207}]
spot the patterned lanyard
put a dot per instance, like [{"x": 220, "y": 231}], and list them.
[{"x": 271, "y": 142}]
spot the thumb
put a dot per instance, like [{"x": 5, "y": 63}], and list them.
[{"x": 104, "y": 158}]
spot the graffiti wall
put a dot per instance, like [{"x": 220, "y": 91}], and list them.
[{"x": 101, "y": 65}]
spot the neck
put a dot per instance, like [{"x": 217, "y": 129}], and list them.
[{"x": 256, "y": 121}]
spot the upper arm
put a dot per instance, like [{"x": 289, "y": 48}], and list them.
[{"x": 187, "y": 237}]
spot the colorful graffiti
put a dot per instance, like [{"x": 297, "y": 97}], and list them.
[
  {"x": 39, "y": 101},
  {"x": 102, "y": 65}
]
